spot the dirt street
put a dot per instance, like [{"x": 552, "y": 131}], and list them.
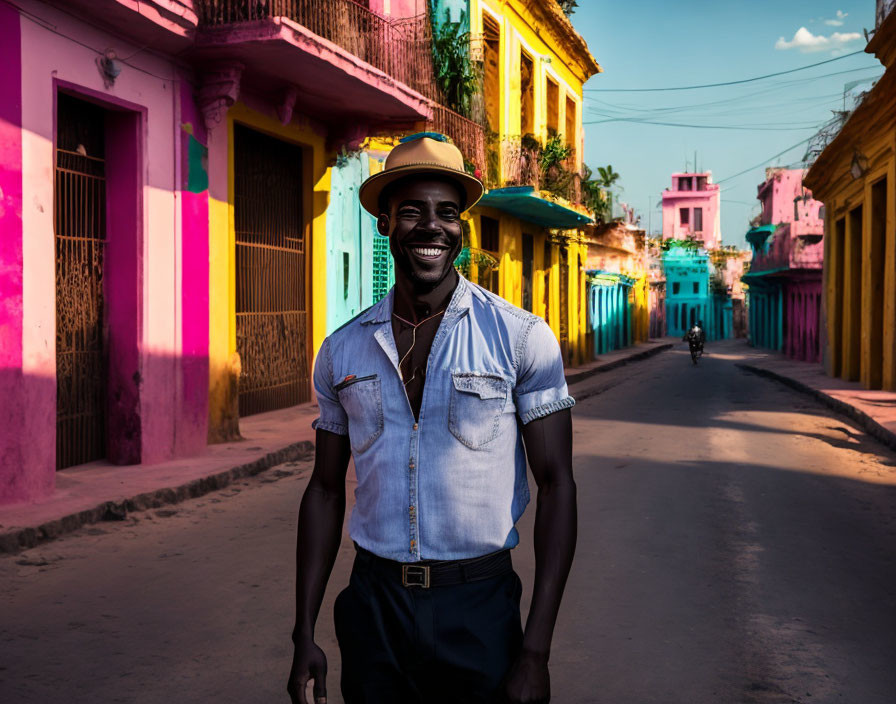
[{"x": 737, "y": 543}]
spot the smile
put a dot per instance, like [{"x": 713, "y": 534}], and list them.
[{"x": 427, "y": 252}]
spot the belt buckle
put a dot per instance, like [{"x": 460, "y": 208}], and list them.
[{"x": 415, "y": 576}]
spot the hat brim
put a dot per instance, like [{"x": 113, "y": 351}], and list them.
[{"x": 369, "y": 193}]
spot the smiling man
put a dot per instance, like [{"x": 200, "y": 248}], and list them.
[{"x": 440, "y": 392}]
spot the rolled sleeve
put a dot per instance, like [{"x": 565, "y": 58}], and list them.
[
  {"x": 332, "y": 415},
  {"x": 541, "y": 384}
]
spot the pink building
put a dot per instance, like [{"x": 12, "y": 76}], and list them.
[
  {"x": 785, "y": 272},
  {"x": 691, "y": 209},
  {"x": 164, "y": 178}
]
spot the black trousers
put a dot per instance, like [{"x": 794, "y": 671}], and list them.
[{"x": 408, "y": 645}]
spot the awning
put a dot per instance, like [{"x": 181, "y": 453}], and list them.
[
  {"x": 599, "y": 277},
  {"x": 758, "y": 235},
  {"x": 523, "y": 202}
]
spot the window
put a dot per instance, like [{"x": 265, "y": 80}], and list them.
[
  {"x": 527, "y": 94},
  {"x": 553, "y": 105},
  {"x": 701, "y": 183},
  {"x": 489, "y": 231},
  {"x": 696, "y": 287},
  {"x": 698, "y": 219},
  {"x": 676, "y": 286},
  {"x": 683, "y": 214},
  {"x": 684, "y": 184},
  {"x": 491, "y": 78},
  {"x": 571, "y": 139}
]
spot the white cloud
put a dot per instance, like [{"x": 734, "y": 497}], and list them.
[
  {"x": 838, "y": 21},
  {"x": 807, "y": 42}
]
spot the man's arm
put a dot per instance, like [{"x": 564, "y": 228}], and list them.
[
  {"x": 548, "y": 444},
  {"x": 320, "y": 531}
]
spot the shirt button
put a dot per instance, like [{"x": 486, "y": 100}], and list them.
[
  {"x": 411, "y": 465},
  {"x": 415, "y": 426}
]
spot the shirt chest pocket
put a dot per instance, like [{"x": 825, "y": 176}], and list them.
[
  {"x": 362, "y": 399},
  {"x": 477, "y": 404}
]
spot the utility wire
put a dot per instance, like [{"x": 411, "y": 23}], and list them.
[
  {"x": 765, "y": 161},
  {"x": 724, "y": 83},
  {"x": 760, "y": 128},
  {"x": 734, "y": 99}
]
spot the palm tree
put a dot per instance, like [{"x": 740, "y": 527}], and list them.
[{"x": 608, "y": 177}]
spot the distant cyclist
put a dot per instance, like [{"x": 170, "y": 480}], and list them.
[{"x": 696, "y": 337}]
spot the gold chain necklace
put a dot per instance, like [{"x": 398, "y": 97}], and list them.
[{"x": 413, "y": 342}]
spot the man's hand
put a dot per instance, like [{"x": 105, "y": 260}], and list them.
[
  {"x": 528, "y": 681},
  {"x": 308, "y": 663}
]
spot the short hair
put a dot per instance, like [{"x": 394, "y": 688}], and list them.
[{"x": 389, "y": 189}]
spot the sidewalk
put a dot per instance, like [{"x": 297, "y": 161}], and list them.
[
  {"x": 874, "y": 411},
  {"x": 617, "y": 358},
  {"x": 100, "y": 491}
]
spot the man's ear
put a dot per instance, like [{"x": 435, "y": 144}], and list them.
[{"x": 382, "y": 224}]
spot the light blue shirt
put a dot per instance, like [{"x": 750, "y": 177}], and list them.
[{"x": 453, "y": 484}]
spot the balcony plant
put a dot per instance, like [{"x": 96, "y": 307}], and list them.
[{"x": 457, "y": 76}]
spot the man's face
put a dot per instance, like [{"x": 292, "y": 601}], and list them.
[{"x": 424, "y": 228}]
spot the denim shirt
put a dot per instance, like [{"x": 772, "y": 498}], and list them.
[{"x": 453, "y": 484}]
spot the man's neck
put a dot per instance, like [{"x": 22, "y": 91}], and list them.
[{"x": 415, "y": 302}]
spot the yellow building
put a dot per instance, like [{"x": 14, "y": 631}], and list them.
[
  {"x": 276, "y": 122},
  {"x": 528, "y": 224},
  {"x": 855, "y": 177}
]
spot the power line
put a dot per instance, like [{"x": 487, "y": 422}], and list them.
[
  {"x": 765, "y": 161},
  {"x": 724, "y": 83},
  {"x": 759, "y": 128},
  {"x": 737, "y": 98}
]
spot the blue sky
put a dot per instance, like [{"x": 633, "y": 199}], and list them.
[{"x": 656, "y": 43}]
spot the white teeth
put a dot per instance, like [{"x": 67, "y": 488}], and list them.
[{"x": 427, "y": 251}]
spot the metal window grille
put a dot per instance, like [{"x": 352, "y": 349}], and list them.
[
  {"x": 80, "y": 235},
  {"x": 271, "y": 312},
  {"x": 383, "y": 273}
]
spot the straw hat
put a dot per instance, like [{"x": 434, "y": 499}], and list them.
[{"x": 424, "y": 153}]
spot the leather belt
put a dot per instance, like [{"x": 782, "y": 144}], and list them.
[{"x": 436, "y": 573}]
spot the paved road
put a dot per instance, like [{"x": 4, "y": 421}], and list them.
[{"x": 737, "y": 544}]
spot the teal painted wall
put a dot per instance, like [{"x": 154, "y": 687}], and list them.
[
  {"x": 610, "y": 314},
  {"x": 687, "y": 291},
  {"x": 451, "y": 11},
  {"x": 351, "y": 283},
  {"x": 765, "y": 300}
]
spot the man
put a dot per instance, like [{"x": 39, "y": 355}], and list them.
[
  {"x": 695, "y": 337},
  {"x": 439, "y": 392}
]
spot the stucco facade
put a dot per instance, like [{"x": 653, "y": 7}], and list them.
[
  {"x": 855, "y": 177},
  {"x": 138, "y": 211},
  {"x": 153, "y": 408},
  {"x": 533, "y": 250},
  {"x": 786, "y": 269},
  {"x": 692, "y": 209}
]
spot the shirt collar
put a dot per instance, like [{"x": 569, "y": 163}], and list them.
[{"x": 381, "y": 312}]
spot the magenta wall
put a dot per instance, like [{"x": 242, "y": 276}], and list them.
[
  {"x": 802, "y": 318},
  {"x": 193, "y": 408},
  {"x": 15, "y": 480}
]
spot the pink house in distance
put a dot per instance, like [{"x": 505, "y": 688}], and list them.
[
  {"x": 785, "y": 278},
  {"x": 691, "y": 209}
]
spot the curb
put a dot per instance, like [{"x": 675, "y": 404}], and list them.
[
  {"x": 868, "y": 424},
  {"x": 576, "y": 377},
  {"x": 23, "y": 538}
]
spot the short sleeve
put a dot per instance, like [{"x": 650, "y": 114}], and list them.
[
  {"x": 541, "y": 383},
  {"x": 332, "y": 415}
]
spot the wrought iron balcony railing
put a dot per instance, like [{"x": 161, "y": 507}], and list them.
[
  {"x": 521, "y": 166},
  {"x": 400, "y": 48},
  {"x": 469, "y": 136}
]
